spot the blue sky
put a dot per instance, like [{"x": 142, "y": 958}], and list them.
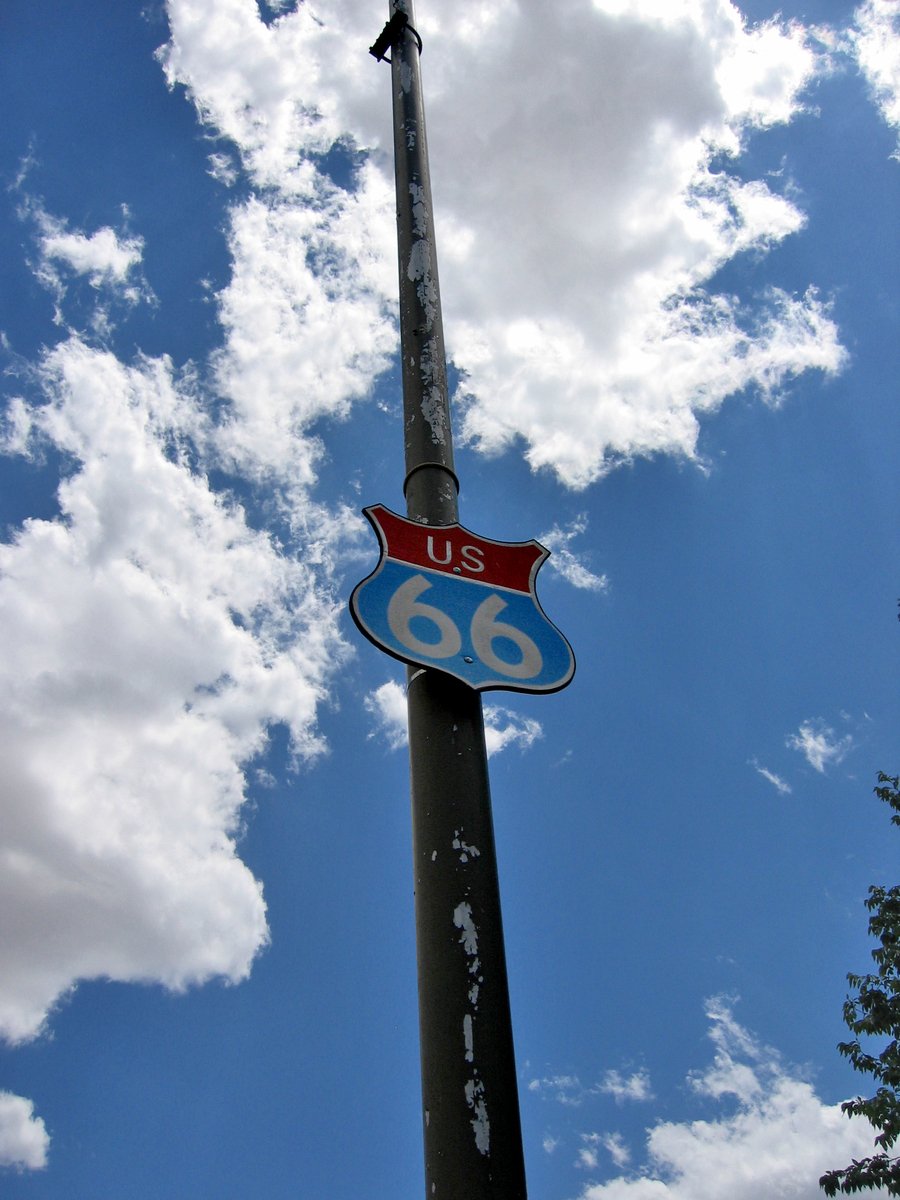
[{"x": 669, "y": 255}]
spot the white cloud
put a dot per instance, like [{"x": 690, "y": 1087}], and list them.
[
  {"x": 729, "y": 1075},
  {"x": 775, "y": 1139},
  {"x": 564, "y": 1089},
  {"x": 876, "y": 41},
  {"x": 595, "y": 344},
  {"x": 150, "y": 637},
  {"x": 309, "y": 311},
  {"x": 109, "y": 260},
  {"x": 307, "y": 324},
  {"x": 571, "y": 1092},
  {"x": 23, "y": 1136},
  {"x": 387, "y": 704},
  {"x": 614, "y": 1143},
  {"x": 591, "y": 1144},
  {"x": 631, "y": 1087},
  {"x": 223, "y": 169},
  {"x": 588, "y": 1157},
  {"x": 549, "y": 1143},
  {"x": 566, "y": 562},
  {"x": 502, "y": 726},
  {"x": 780, "y": 785},
  {"x": 264, "y": 87},
  {"x": 819, "y": 744},
  {"x": 102, "y": 255},
  {"x": 589, "y": 221}
]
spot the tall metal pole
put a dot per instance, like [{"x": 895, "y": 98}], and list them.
[{"x": 473, "y": 1139}]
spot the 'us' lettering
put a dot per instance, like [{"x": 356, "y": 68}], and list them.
[{"x": 471, "y": 557}]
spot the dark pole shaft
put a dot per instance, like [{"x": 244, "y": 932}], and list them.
[{"x": 473, "y": 1139}]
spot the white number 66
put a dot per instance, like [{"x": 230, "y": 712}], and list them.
[{"x": 483, "y": 631}]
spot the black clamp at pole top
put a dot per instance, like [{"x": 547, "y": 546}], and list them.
[{"x": 390, "y": 36}]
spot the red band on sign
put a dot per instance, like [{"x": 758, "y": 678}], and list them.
[{"x": 456, "y": 551}]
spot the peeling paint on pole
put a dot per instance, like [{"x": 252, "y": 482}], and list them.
[
  {"x": 474, "y": 1088},
  {"x": 462, "y": 919}
]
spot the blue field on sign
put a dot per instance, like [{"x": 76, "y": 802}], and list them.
[{"x": 462, "y": 607}]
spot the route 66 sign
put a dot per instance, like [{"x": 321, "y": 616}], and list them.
[{"x": 444, "y": 597}]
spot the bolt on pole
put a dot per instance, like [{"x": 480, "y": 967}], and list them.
[{"x": 473, "y": 1139}]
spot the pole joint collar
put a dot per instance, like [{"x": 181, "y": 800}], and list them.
[{"x": 439, "y": 465}]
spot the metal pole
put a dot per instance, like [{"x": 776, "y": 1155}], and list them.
[{"x": 473, "y": 1139}]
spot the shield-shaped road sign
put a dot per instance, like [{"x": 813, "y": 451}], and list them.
[{"x": 444, "y": 597}]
